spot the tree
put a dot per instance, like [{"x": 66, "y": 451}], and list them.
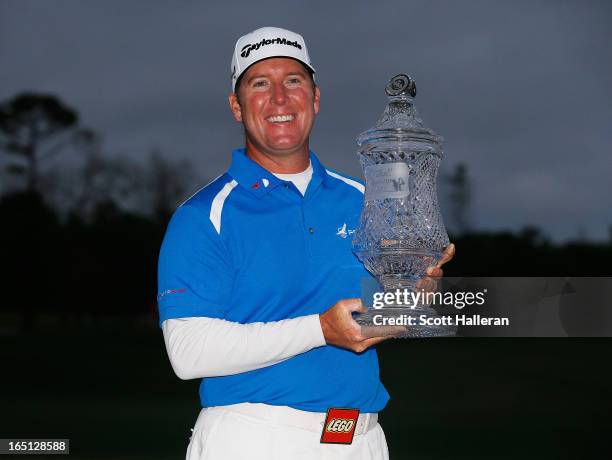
[
  {"x": 460, "y": 197},
  {"x": 97, "y": 178},
  {"x": 29, "y": 243},
  {"x": 167, "y": 183},
  {"x": 28, "y": 124}
]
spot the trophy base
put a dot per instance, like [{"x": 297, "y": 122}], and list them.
[{"x": 405, "y": 323}]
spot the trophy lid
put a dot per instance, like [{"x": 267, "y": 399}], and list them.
[{"x": 400, "y": 121}]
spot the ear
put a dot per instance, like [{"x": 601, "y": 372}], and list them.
[
  {"x": 317, "y": 99},
  {"x": 234, "y": 106}
]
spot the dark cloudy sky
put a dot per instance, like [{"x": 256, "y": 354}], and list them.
[{"x": 520, "y": 90}]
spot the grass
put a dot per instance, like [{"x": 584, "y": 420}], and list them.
[{"x": 110, "y": 389}]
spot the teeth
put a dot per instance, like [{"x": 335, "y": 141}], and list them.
[{"x": 280, "y": 118}]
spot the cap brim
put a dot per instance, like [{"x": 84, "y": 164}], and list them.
[{"x": 308, "y": 67}]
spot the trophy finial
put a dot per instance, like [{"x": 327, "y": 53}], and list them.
[{"x": 401, "y": 84}]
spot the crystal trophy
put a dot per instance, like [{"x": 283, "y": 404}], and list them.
[{"x": 401, "y": 232}]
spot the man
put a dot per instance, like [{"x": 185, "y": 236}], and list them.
[{"x": 258, "y": 285}]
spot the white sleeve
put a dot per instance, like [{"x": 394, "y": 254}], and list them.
[{"x": 208, "y": 347}]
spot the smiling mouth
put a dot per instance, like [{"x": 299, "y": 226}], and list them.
[{"x": 281, "y": 118}]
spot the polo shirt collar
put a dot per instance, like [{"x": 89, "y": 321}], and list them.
[{"x": 259, "y": 181}]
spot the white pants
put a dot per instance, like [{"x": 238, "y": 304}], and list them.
[{"x": 228, "y": 433}]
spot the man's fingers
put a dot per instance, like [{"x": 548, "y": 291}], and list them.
[
  {"x": 380, "y": 332},
  {"x": 447, "y": 255},
  {"x": 355, "y": 305},
  {"x": 435, "y": 272},
  {"x": 428, "y": 284},
  {"x": 388, "y": 332},
  {"x": 367, "y": 343}
]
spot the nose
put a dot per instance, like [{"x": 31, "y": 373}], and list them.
[{"x": 278, "y": 95}]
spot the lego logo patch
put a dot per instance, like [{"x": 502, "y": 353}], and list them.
[{"x": 339, "y": 426}]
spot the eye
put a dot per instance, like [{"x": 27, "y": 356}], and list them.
[
  {"x": 260, "y": 84},
  {"x": 293, "y": 81}
]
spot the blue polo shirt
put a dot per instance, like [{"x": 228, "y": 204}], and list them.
[{"x": 248, "y": 247}]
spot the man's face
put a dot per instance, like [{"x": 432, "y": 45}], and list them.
[{"x": 277, "y": 106}]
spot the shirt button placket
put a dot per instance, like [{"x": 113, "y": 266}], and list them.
[{"x": 308, "y": 229}]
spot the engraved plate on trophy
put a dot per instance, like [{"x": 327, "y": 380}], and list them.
[
  {"x": 401, "y": 232},
  {"x": 387, "y": 181}
]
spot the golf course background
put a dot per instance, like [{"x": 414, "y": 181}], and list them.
[{"x": 108, "y": 386}]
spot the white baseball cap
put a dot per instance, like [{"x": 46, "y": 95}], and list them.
[{"x": 265, "y": 43}]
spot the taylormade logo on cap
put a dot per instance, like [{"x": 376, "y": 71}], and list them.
[
  {"x": 246, "y": 49},
  {"x": 265, "y": 43}
]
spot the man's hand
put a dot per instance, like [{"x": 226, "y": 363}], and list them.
[
  {"x": 340, "y": 329},
  {"x": 434, "y": 273}
]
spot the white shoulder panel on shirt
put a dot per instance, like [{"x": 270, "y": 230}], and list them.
[
  {"x": 351, "y": 182},
  {"x": 217, "y": 204}
]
